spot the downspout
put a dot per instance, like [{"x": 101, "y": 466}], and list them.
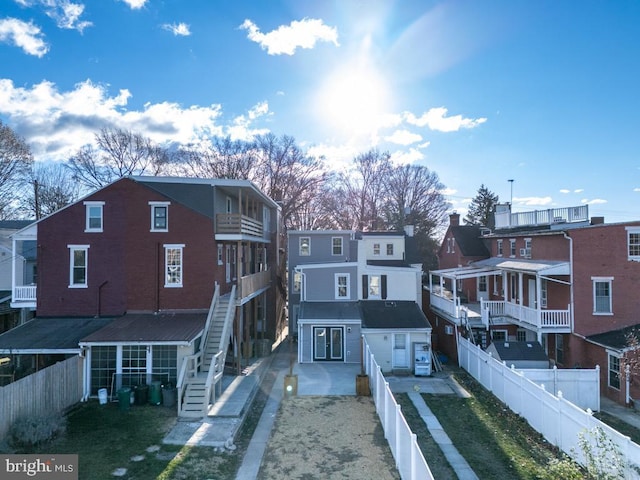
[
  {"x": 571, "y": 313},
  {"x": 99, "y": 300}
]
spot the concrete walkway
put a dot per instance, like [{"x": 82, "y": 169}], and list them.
[{"x": 457, "y": 461}]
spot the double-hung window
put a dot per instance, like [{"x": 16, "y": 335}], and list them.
[
  {"x": 305, "y": 246},
  {"x": 159, "y": 216},
  {"x": 602, "y": 301},
  {"x": 613, "y": 377},
  {"x": 94, "y": 216},
  {"x": 499, "y": 247},
  {"x": 342, "y": 286},
  {"x": 376, "y": 249},
  {"x": 512, "y": 247},
  {"x": 297, "y": 282},
  {"x": 633, "y": 243},
  {"x": 336, "y": 246},
  {"x": 78, "y": 256},
  {"x": 389, "y": 249},
  {"x": 173, "y": 265}
]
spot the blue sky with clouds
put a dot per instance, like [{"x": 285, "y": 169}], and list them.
[{"x": 542, "y": 92}]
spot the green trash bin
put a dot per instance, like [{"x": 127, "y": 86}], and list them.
[
  {"x": 155, "y": 392},
  {"x": 124, "y": 399},
  {"x": 141, "y": 394}
]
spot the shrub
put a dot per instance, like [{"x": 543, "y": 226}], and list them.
[{"x": 29, "y": 432}]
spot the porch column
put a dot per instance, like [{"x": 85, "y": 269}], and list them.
[
  {"x": 520, "y": 289},
  {"x": 538, "y": 300}
]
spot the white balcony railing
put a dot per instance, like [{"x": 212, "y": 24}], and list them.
[
  {"x": 556, "y": 320},
  {"x": 506, "y": 219},
  {"x": 24, "y": 293}
]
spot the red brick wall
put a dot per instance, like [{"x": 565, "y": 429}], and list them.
[{"x": 126, "y": 259}]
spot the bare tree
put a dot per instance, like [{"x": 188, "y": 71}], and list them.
[
  {"x": 118, "y": 153},
  {"x": 52, "y": 188},
  {"x": 15, "y": 164},
  {"x": 222, "y": 158}
]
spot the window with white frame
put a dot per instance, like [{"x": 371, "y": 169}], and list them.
[
  {"x": 613, "y": 379},
  {"x": 220, "y": 254},
  {"x": 376, "y": 249},
  {"x": 78, "y": 263},
  {"x": 342, "y": 285},
  {"x": 482, "y": 284},
  {"x": 543, "y": 293},
  {"x": 304, "y": 246},
  {"x": 602, "y": 302},
  {"x": 521, "y": 335},
  {"x": 499, "y": 335},
  {"x": 512, "y": 247},
  {"x": 266, "y": 219},
  {"x": 633, "y": 243},
  {"x": 389, "y": 249},
  {"x": 159, "y": 216},
  {"x": 297, "y": 282},
  {"x": 94, "y": 216},
  {"x": 336, "y": 246},
  {"x": 173, "y": 265},
  {"x": 374, "y": 287},
  {"x": 499, "y": 248}
]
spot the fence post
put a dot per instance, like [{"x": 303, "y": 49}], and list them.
[
  {"x": 397, "y": 439},
  {"x": 412, "y": 455}
]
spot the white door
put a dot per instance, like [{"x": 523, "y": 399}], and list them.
[
  {"x": 482, "y": 288},
  {"x": 400, "y": 351},
  {"x": 532, "y": 293}
]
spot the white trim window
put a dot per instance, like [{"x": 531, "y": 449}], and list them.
[
  {"x": 376, "y": 249},
  {"x": 220, "y": 254},
  {"x": 336, "y": 245},
  {"x": 78, "y": 263},
  {"x": 342, "y": 286},
  {"x": 544, "y": 292},
  {"x": 159, "y": 216},
  {"x": 297, "y": 282},
  {"x": 304, "y": 246},
  {"x": 94, "y": 218},
  {"x": 613, "y": 370},
  {"x": 499, "y": 248},
  {"x": 512, "y": 247},
  {"x": 633, "y": 243},
  {"x": 173, "y": 265},
  {"x": 602, "y": 295},
  {"x": 389, "y": 249}
]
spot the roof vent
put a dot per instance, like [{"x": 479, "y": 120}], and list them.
[
  {"x": 506, "y": 344},
  {"x": 389, "y": 304}
]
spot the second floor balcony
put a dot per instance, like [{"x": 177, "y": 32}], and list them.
[
  {"x": 251, "y": 284},
  {"x": 235, "y": 226},
  {"x": 539, "y": 319}
]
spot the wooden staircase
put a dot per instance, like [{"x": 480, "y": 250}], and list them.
[{"x": 202, "y": 372}]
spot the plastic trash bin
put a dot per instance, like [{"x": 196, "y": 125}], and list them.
[
  {"x": 169, "y": 395},
  {"x": 124, "y": 399},
  {"x": 102, "y": 396},
  {"x": 154, "y": 392},
  {"x": 141, "y": 394}
]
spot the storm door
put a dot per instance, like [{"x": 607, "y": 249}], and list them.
[{"x": 328, "y": 343}]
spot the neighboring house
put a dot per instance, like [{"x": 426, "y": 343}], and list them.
[
  {"x": 519, "y": 354},
  {"x": 152, "y": 279},
  {"x": 345, "y": 284},
  {"x": 551, "y": 276},
  {"x": 11, "y": 317}
]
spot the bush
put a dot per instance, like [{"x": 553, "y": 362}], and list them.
[{"x": 29, "y": 432}]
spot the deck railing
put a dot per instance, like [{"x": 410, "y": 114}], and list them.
[
  {"x": 550, "y": 216},
  {"x": 24, "y": 293},
  {"x": 537, "y": 318},
  {"x": 252, "y": 283},
  {"x": 237, "y": 224}
]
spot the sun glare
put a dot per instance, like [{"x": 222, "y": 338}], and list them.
[{"x": 353, "y": 100}]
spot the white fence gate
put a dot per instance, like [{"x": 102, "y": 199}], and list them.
[{"x": 559, "y": 420}]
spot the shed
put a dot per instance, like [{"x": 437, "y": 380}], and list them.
[{"x": 519, "y": 354}]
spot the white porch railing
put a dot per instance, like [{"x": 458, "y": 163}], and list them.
[
  {"x": 556, "y": 320},
  {"x": 447, "y": 305},
  {"x": 551, "y": 216},
  {"x": 560, "y": 421},
  {"x": 24, "y": 293},
  {"x": 410, "y": 461}
]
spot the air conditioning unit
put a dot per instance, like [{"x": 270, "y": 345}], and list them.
[
  {"x": 525, "y": 252},
  {"x": 448, "y": 329}
]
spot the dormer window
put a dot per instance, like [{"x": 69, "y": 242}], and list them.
[
  {"x": 94, "y": 216},
  {"x": 159, "y": 216}
]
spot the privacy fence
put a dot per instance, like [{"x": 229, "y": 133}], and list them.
[
  {"x": 403, "y": 442},
  {"x": 558, "y": 417},
  {"x": 46, "y": 392}
]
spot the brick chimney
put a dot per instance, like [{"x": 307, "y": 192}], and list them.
[{"x": 454, "y": 219}]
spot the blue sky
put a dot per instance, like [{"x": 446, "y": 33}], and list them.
[{"x": 542, "y": 92}]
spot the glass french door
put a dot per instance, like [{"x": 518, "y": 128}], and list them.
[{"x": 328, "y": 343}]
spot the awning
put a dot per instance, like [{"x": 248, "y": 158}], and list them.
[
  {"x": 49, "y": 335},
  {"x": 536, "y": 267},
  {"x": 465, "y": 272}
]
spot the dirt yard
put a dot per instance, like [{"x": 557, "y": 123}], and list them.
[{"x": 327, "y": 438}]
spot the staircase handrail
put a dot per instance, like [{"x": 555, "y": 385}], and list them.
[
  {"x": 207, "y": 325},
  {"x": 224, "y": 339},
  {"x": 185, "y": 371}
]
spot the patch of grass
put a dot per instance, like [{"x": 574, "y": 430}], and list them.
[
  {"x": 496, "y": 442},
  {"x": 438, "y": 463},
  {"x": 621, "y": 426}
]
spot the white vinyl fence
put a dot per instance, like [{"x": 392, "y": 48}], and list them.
[
  {"x": 560, "y": 421},
  {"x": 48, "y": 391},
  {"x": 403, "y": 442}
]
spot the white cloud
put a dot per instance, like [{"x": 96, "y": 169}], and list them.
[
  {"x": 533, "y": 201},
  {"x": 135, "y": 4},
  {"x": 436, "y": 119},
  {"x": 57, "y": 123},
  {"x": 403, "y": 137},
  {"x": 578, "y": 190},
  {"x": 448, "y": 191},
  {"x": 595, "y": 201},
  {"x": 286, "y": 39},
  {"x": 24, "y": 35},
  {"x": 65, "y": 13},
  {"x": 404, "y": 157},
  {"x": 181, "y": 29},
  {"x": 636, "y": 189},
  {"x": 564, "y": 190}
]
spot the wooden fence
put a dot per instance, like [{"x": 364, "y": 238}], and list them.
[{"x": 48, "y": 391}]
